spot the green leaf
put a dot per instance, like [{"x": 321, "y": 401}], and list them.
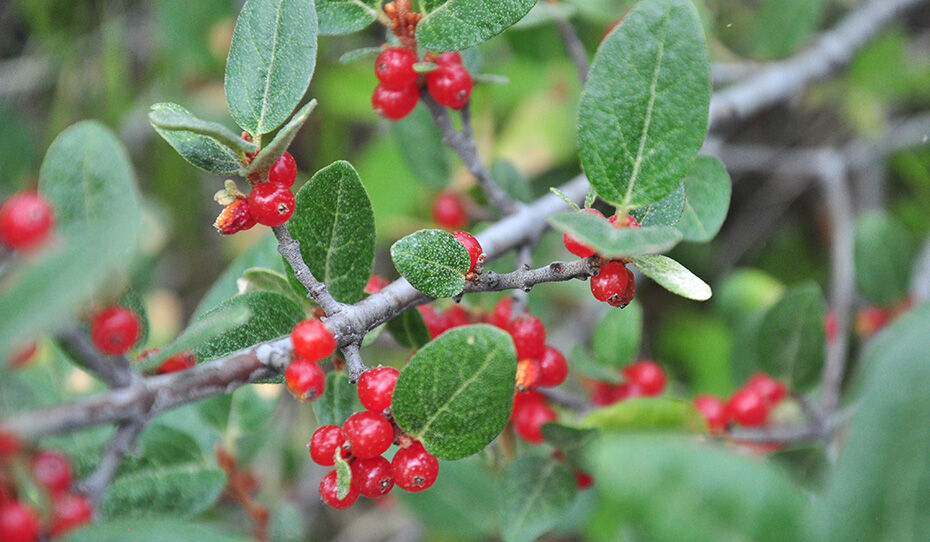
[
  {"x": 505, "y": 173},
  {"x": 132, "y": 300},
  {"x": 569, "y": 440},
  {"x": 790, "y": 342},
  {"x": 199, "y": 149},
  {"x": 668, "y": 489},
  {"x": 409, "y": 329},
  {"x": 264, "y": 253},
  {"x": 453, "y": 25},
  {"x": 673, "y": 276},
  {"x": 537, "y": 493},
  {"x": 338, "y": 402},
  {"x": 262, "y": 163},
  {"x": 584, "y": 363},
  {"x": 163, "y": 446},
  {"x": 643, "y": 113},
  {"x": 355, "y": 54},
  {"x": 171, "y": 117},
  {"x": 432, "y": 261},
  {"x": 420, "y": 143},
  {"x": 270, "y": 63},
  {"x": 271, "y": 316},
  {"x": 237, "y": 414},
  {"x": 883, "y": 258},
  {"x": 616, "y": 338},
  {"x": 335, "y": 226},
  {"x": 260, "y": 279},
  {"x": 456, "y": 393},
  {"x": 647, "y": 414},
  {"x": 88, "y": 180},
  {"x": 784, "y": 26},
  {"x": 879, "y": 486},
  {"x": 546, "y": 12},
  {"x": 345, "y": 16},
  {"x": 614, "y": 243},
  {"x": 184, "y": 491},
  {"x": 708, "y": 190},
  {"x": 665, "y": 212},
  {"x": 156, "y": 529}
]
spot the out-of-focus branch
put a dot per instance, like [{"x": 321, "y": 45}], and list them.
[
  {"x": 96, "y": 483},
  {"x": 114, "y": 371},
  {"x": 574, "y": 47}
]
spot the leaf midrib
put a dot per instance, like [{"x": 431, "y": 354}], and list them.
[
  {"x": 274, "y": 51},
  {"x": 537, "y": 491}
]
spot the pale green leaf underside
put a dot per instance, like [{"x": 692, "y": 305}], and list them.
[
  {"x": 665, "y": 212},
  {"x": 707, "y": 189},
  {"x": 270, "y": 63},
  {"x": 456, "y": 393},
  {"x": 610, "y": 242},
  {"x": 647, "y": 414},
  {"x": 433, "y": 261},
  {"x": 345, "y": 16},
  {"x": 453, "y": 25},
  {"x": 537, "y": 493},
  {"x": 643, "y": 112},
  {"x": 172, "y": 117},
  {"x": 335, "y": 226},
  {"x": 673, "y": 276}
]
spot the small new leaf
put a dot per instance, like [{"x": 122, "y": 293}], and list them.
[
  {"x": 673, "y": 276},
  {"x": 433, "y": 261},
  {"x": 453, "y": 25},
  {"x": 173, "y": 117},
  {"x": 262, "y": 163},
  {"x": 343, "y": 475}
]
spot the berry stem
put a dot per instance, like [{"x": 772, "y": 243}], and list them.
[
  {"x": 289, "y": 248},
  {"x": 463, "y": 143}
]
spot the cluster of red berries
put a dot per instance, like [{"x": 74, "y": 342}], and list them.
[
  {"x": 312, "y": 343},
  {"x": 51, "y": 473},
  {"x": 748, "y": 406},
  {"x": 26, "y": 221},
  {"x": 614, "y": 283},
  {"x": 270, "y": 203},
  {"x": 115, "y": 330},
  {"x": 449, "y": 210},
  {"x": 362, "y": 440},
  {"x": 643, "y": 378},
  {"x": 399, "y": 84}
]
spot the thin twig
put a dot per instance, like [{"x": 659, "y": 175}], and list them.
[
  {"x": 316, "y": 290},
  {"x": 355, "y": 366},
  {"x": 463, "y": 144},
  {"x": 122, "y": 442},
  {"x": 521, "y": 294},
  {"x": 115, "y": 371},
  {"x": 566, "y": 400},
  {"x": 574, "y": 47}
]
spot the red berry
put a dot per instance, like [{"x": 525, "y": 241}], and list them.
[
  {"x": 449, "y": 211},
  {"x": 114, "y": 330},
  {"x": 870, "y": 320},
  {"x": 178, "y": 362},
  {"x": 529, "y": 417},
  {"x": 70, "y": 512},
  {"x": 450, "y": 85},
  {"x": 271, "y": 204},
  {"x": 414, "y": 468},
  {"x": 450, "y": 57},
  {"x": 324, "y": 443},
  {"x": 328, "y": 492},
  {"x": 626, "y": 390},
  {"x": 646, "y": 374},
  {"x": 714, "y": 410},
  {"x": 283, "y": 171},
  {"x": 610, "y": 283},
  {"x": 369, "y": 434},
  {"x": 436, "y": 323},
  {"x": 52, "y": 472},
  {"x": 529, "y": 336},
  {"x": 602, "y": 394},
  {"x": 10, "y": 445},
  {"x": 24, "y": 356},
  {"x": 748, "y": 408},
  {"x": 18, "y": 523},
  {"x": 500, "y": 316},
  {"x": 627, "y": 221},
  {"x": 583, "y": 480},
  {"x": 530, "y": 396},
  {"x": 553, "y": 369},
  {"x": 312, "y": 341},
  {"x": 235, "y": 217},
  {"x": 831, "y": 326},
  {"x": 373, "y": 476},
  {"x": 376, "y": 387},
  {"x": 26, "y": 220},
  {"x": 394, "y": 68},
  {"x": 471, "y": 245},
  {"x": 395, "y": 104},
  {"x": 527, "y": 374},
  {"x": 573, "y": 245},
  {"x": 305, "y": 379},
  {"x": 773, "y": 391},
  {"x": 376, "y": 284},
  {"x": 628, "y": 293},
  {"x": 456, "y": 316}
]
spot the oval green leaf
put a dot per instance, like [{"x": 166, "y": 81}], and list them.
[
  {"x": 643, "y": 112},
  {"x": 883, "y": 258},
  {"x": 707, "y": 190},
  {"x": 453, "y": 25},
  {"x": 335, "y": 226},
  {"x": 673, "y": 276},
  {"x": 617, "y": 337},
  {"x": 665, "y": 212},
  {"x": 432, "y": 261},
  {"x": 457, "y": 391},
  {"x": 271, "y": 61},
  {"x": 346, "y": 16},
  {"x": 182, "y": 490},
  {"x": 615, "y": 243},
  {"x": 409, "y": 329},
  {"x": 790, "y": 340},
  {"x": 537, "y": 493}
]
